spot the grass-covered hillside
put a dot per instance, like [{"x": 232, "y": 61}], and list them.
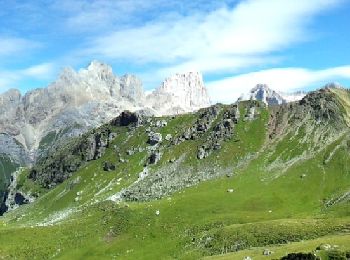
[{"x": 226, "y": 182}]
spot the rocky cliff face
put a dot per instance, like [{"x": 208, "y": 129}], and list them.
[{"x": 179, "y": 93}]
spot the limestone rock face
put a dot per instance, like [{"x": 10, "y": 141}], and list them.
[
  {"x": 131, "y": 88},
  {"x": 180, "y": 93},
  {"x": 11, "y": 112}
]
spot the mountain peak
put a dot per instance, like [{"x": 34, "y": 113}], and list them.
[
  {"x": 97, "y": 65},
  {"x": 182, "y": 90},
  {"x": 11, "y": 94},
  {"x": 261, "y": 86},
  {"x": 181, "y": 83},
  {"x": 264, "y": 93}
]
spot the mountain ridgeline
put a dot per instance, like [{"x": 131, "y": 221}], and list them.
[
  {"x": 227, "y": 181},
  {"x": 77, "y": 102}
]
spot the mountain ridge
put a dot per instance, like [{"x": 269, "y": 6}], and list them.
[
  {"x": 78, "y": 101},
  {"x": 91, "y": 96}
]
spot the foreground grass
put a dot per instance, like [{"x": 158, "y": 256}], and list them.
[{"x": 342, "y": 241}]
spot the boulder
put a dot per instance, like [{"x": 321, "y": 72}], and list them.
[
  {"x": 129, "y": 152},
  {"x": 187, "y": 134},
  {"x": 168, "y": 137},
  {"x": 154, "y": 157},
  {"x": 126, "y": 118},
  {"x": 107, "y": 166},
  {"x": 154, "y": 138},
  {"x": 201, "y": 153},
  {"x": 143, "y": 174},
  {"x": 267, "y": 252},
  {"x": 161, "y": 123}
]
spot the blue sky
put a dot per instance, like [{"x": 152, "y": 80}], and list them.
[{"x": 235, "y": 44}]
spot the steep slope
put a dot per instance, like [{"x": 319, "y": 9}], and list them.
[{"x": 224, "y": 179}]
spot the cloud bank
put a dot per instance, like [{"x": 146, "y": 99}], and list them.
[
  {"x": 283, "y": 79},
  {"x": 223, "y": 40},
  {"x": 157, "y": 38}
]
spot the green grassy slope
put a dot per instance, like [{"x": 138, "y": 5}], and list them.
[{"x": 286, "y": 190}]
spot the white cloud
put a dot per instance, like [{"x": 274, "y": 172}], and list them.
[
  {"x": 12, "y": 79},
  {"x": 10, "y": 46},
  {"x": 282, "y": 79},
  {"x": 222, "y": 40},
  {"x": 40, "y": 71},
  {"x": 91, "y": 15}
]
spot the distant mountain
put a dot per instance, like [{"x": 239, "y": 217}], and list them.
[
  {"x": 265, "y": 94},
  {"x": 179, "y": 93}
]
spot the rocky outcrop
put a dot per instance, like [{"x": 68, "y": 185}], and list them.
[
  {"x": 179, "y": 94},
  {"x": 222, "y": 131},
  {"x": 10, "y": 147},
  {"x": 14, "y": 197},
  {"x": 127, "y": 118},
  {"x": 215, "y": 125},
  {"x": 320, "y": 107},
  {"x": 201, "y": 126},
  {"x": 154, "y": 138},
  {"x": 60, "y": 164},
  {"x": 108, "y": 166},
  {"x": 154, "y": 157}
]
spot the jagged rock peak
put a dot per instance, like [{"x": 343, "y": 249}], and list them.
[
  {"x": 263, "y": 93},
  {"x": 67, "y": 75},
  {"x": 99, "y": 67},
  {"x": 11, "y": 95},
  {"x": 188, "y": 87},
  {"x": 178, "y": 94}
]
